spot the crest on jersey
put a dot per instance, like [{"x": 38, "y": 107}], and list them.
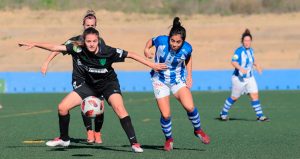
[
  {"x": 102, "y": 62},
  {"x": 77, "y": 49},
  {"x": 235, "y": 57}
]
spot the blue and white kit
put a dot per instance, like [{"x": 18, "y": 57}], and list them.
[
  {"x": 243, "y": 83},
  {"x": 174, "y": 77}
]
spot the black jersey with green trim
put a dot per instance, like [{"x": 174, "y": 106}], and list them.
[
  {"x": 98, "y": 67},
  {"x": 78, "y": 73}
]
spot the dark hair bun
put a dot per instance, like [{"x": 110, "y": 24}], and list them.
[
  {"x": 247, "y": 31},
  {"x": 176, "y": 22},
  {"x": 90, "y": 12}
]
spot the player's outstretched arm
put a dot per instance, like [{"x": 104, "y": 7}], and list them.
[
  {"x": 44, "y": 46},
  {"x": 154, "y": 66},
  {"x": 147, "y": 51},
  {"x": 44, "y": 67}
]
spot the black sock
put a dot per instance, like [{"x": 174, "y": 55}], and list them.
[
  {"x": 128, "y": 128},
  {"x": 64, "y": 126},
  {"x": 99, "y": 122},
  {"x": 87, "y": 122}
]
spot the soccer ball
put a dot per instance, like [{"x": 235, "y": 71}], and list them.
[{"x": 91, "y": 107}]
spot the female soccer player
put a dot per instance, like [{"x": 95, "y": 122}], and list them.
[
  {"x": 243, "y": 81},
  {"x": 100, "y": 79},
  {"x": 176, "y": 53},
  {"x": 78, "y": 77}
]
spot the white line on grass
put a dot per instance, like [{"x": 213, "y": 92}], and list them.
[
  {"x": 33, "y": 141},
  {"x": 26, "y": 114}
]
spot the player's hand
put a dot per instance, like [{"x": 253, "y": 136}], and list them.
[
  {"x": 44, "y": 68},
  {"x": 189, "y": 82},
  {"x": 28, "y": 45},
  {"x": 148, "y": 53},
  {"x": 159, "y": 66},
  {"x": 243, "y": 71},
  {"x": 259, "y": 69}
]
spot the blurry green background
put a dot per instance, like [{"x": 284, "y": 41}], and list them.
[{"x": 223, "y": 7}]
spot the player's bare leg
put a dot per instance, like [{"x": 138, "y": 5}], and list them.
[
  {"x": 116, "y": 101},
  {"x": 165, "y": 121},
  {"x": 184, "y": 96},
  {"x": 70, "y": 101}
]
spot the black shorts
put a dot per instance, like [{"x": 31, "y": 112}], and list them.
[
  {"x": 106, "y": 90},
  {"x": 77, "y": 83}
]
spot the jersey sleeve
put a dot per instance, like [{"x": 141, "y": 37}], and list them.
[
  {"x": 117, "y": 55},
  {"x": 236, "y": 56},
  {"x": 72, "y": 49},
  {"x": 75, "y": 38},
  {"x": 156, "y": 41},
  {"x": 189, "y": 51}
]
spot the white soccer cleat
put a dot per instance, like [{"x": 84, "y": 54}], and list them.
[
  {"x": 58, "y": 142},
  {"x": 263, "y": 118},
  {"x": 224, "y": 117},
  {"x": 136, "y": 147}
]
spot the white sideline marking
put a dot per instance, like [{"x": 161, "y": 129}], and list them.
[
  {"x": 33, "y": 141},
  {"x": 26, "y": 114}
]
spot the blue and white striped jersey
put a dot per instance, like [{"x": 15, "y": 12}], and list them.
[
  {"x": 245, "y": 58},
  {"x": 175, "y": 60}
]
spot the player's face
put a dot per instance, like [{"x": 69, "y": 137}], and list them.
[
  {"x": 176, "y": 42},
  {"x": 91, "y": 42},
  {"x": 89, "y": 23},
  {"x": 247, "y": 42}
]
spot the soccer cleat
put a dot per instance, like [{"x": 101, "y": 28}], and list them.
[
  {"x": 58, "y": 142},
  {"x": 263, "y": 118},
  {"x": 169, "y": 145},
  {"x": 202, "y": 136},
  {"x": 98, "y": 139},
  {"x": 136, "y": 147},
  {"x": 224, "y": 117},
  {"x": 90, "y": 136}
]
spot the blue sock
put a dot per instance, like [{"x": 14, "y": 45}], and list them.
[
  {"x": 195, "y": 119},
  {"x": 227, "y": 105},
  {"x": 257, "y": 108},
  {"x": 166, "y": 125}
]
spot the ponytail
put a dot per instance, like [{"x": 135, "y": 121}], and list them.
[
  {"x": 90, "y": 14},
  {"x": 246, "y": 33},
  {"x": 177, "y": 28}
]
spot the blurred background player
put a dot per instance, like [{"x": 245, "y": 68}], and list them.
[
  {"x": 78, "y": 77},
  {"x": 176, "y": 53},
  {"x": 100, "y": 79},
  {"x": 243, "y": 81}
]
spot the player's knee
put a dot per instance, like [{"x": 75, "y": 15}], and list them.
[
  {"x": 62, "y": 109},
  {"x": 254, "y": 97},
  {"x": 234, "y": 98}
]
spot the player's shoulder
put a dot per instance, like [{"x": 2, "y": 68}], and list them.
[
  {"x": 187, "y": 47},
  {"x": 161, "y": 38},
  {"x": 72, "y": 39},
  {"x": 239, "y": 50},
  {"x": 78, "y": 37},
  {"x": 106, "y": 49}
]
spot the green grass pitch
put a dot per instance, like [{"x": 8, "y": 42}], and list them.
[{"x": 33, "y": 117}]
